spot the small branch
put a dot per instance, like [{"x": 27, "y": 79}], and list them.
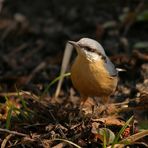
[
  {"x": 39, "y": 67},
  {"x": 140, "y": 55},
  {"x": 140, "y": 104},
  {"x": 13, "y": 132},
  {"x": 62, "y": 144},
  {"x": 21, "y": 93},
  {"x": 135, "y": 137},
  {"x": 4, "y": 143}
]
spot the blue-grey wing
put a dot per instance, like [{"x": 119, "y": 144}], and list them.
[{"x": 110, "y": 67}]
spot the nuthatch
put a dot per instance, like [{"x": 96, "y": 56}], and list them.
[{"x": 93, "y": 74}]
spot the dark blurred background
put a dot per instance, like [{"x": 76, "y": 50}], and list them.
[{"x": 33, "y": 34}]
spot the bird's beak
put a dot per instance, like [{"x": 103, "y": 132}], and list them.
[{"x": 75, "y": 44}]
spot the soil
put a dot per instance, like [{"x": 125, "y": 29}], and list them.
[{"x": 33, "y": 36}]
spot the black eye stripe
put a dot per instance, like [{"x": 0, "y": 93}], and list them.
[
  {"x": 104, "y": 58},
  {"x": 88, "y": 48},
  {"x": 93, "y": 50}
]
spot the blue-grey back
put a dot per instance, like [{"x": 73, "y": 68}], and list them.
[{"x": 110, "y": 67}]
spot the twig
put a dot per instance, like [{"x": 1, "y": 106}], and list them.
[
  {"x": 21, "y": 93},
  {"x": 40, "y": 44},
  {"x": 13, "y": 132},
  {"x": 58, "y": 124},
  {"x": 60, "y": 145},
  {"x": 16, "y": 50},
  {"x": 41, "y": 66},
  {"x": 67, "y": 141},
  {"x": 135, "y": 137},
  {"x": 8, "y": 30},
  {"x": 141, "y": 103},
  {"x": 3, "y": 145},
  {"x": 140, "y": 55}
]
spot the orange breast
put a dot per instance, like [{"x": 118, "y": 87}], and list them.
[{"x": 91, "y": 78}]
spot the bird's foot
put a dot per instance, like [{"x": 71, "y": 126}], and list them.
[{"x": 87, "y": 106}]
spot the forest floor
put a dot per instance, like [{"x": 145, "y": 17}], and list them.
[{"x": 32, "y": 41}]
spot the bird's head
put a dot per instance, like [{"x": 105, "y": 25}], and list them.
[{"x": 89, "y": 49}]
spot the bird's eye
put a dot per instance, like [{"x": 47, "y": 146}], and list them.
[
  {"x": 104, "y": 58},
  {"x": 89, "y": 49}
]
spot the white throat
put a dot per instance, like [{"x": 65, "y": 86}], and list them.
[{"x": 92, "y": 56}]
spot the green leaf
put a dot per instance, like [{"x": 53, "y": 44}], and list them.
[
  {"x": 53, "y": 82},
  {"x": 121, "y": 131},
  {"x": 106, "y": 136}
]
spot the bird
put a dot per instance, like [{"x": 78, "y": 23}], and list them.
[{"x": 92, "y": 73}]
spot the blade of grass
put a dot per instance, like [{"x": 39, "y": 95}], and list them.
[
  {"x": 20, "y": 97},
  {"x": 70, "y": 142},
  {"x": 104, "y": 138},
  {"x": 65, "y": 62},
  {"x": 9, "y": 114},
  {"x": 53, "y": 82},
  {"x": 8, "y": 119},
  {"x": 121, "y": 131}
]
